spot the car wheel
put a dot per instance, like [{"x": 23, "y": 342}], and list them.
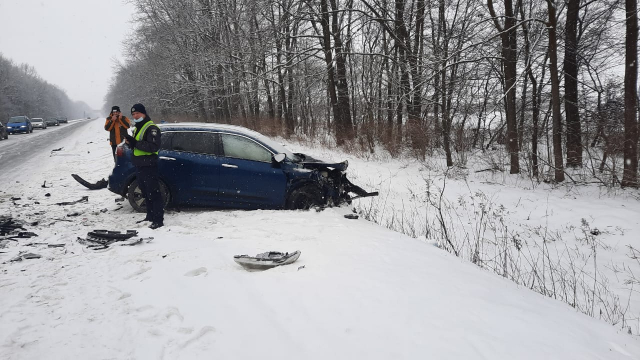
[
  {"x": 304, "y": 198},
  {"x": 134, "y": 194}
]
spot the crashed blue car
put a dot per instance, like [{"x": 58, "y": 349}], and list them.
[{"x": 224, "y": 166}]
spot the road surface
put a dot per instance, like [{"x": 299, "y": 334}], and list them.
[{"x": 16, "y": 151}]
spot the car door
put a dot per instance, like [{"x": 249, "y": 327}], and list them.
[
  {"x": 190, "y": 167},
  {"x": 248, "y": 178}
]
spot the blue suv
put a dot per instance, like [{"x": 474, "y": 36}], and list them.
[
  {"x": 19, "y": 124},
  {"x": 225, "y": 166}
]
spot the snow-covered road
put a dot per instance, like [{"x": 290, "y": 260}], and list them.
[
  {"x": 358, "y": 291},
  {"x": 21, "y": 148}
]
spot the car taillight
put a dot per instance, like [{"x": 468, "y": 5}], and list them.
[{"x": 119, "y": 151}]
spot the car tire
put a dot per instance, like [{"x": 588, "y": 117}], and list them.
[
  {"x": 305, "y": 197},
  {"x": 134, "y": 195}
]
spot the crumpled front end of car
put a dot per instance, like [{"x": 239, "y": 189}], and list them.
[{"x": 331, "y": 179}]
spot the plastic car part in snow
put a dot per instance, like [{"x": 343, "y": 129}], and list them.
[
  {"x": 83, "y": 199},
  {"x": 266, "y": 260},
  {"x": 97, "y": 240},
  {"x": 101, "y": 184},
  {"x": 8, "y": 225},
  {"x": 109, "y": 235},
  {"x": 137, "y": 201}
]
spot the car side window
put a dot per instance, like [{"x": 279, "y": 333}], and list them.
[
  {"x": 165, "y": 144},
  {"x": 199, "y": 142},
  {"x": 242, "y": 148}
]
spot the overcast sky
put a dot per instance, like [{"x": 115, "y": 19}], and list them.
[{"x": 70, "y": 43}]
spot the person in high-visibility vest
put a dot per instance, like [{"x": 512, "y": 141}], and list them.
[{"x": 145, "y": 143}]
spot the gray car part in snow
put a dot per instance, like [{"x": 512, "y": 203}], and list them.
[
  {"x": 23, "y": 256},
  {"x": 83, "y": 199},
  {"x": 8, "y": 225},
  {"x": 266, "y": 260},
  {"x": 102, "y": 239}
]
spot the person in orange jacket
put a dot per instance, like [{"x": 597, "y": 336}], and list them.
[{"x": 117, "y": 126}]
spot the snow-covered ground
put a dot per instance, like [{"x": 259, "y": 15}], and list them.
[
  {"x": 575, "y": 242},
  {"x": 358, "y": 291}
]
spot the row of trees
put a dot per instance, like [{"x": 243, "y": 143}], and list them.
[
  {"x": 535, "y": 75},
  {"x": 23, "y": 92}
]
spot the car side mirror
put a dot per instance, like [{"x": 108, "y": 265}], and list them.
[{"x": 278, "y": 158}]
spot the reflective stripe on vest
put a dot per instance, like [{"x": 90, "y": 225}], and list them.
[{"x": 140, "y": 135}]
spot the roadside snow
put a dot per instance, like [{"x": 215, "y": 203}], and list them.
[{"x": 358, "y": 291}]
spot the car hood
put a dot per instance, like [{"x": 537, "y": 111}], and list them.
[
  {"x": 309, "y": 162},
  {"x": 17, "y": 124}
]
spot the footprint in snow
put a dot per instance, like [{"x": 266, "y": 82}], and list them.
[
  {"x": 203, "y": 331},
  {"x": 196, "y": 272}
]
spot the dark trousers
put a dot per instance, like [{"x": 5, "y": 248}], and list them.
[{"x": 149, "y": 185}]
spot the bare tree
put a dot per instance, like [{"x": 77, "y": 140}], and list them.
[
  {"x": 508, "y": 35},
  {"x": 555, "y": 93},
  {"x": 574, "y": 133},
  {"x": 630, "y": 176}
]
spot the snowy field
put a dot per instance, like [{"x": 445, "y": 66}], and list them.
[{"x": 358, "y": 291}]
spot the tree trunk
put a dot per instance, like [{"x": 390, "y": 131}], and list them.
[
  {"x": 574, "y": 131},
  {"x": 630, "y": 177},
  {"x": 555, "y": 94},
  {"x": 344, "y": 129},
  {"x": 508, "y": 35},
  {"x": 328, "y": 58}
]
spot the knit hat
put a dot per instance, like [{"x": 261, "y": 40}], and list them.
[
  {"x": 139, "y": 108},
  {"x": 115, "y": 108}
]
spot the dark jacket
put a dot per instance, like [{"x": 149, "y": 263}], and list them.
[
  {"x": 117, "y": 128},
  {"x": 150, "y": 142}
]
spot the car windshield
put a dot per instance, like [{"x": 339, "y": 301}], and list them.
[
  {"x": 16, "y": 120},
  {"x": 36, "y": 120}
]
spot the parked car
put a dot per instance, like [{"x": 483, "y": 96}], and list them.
[
  {"x": 39, "y": 123},
  {"x": 62, "y": 120},
  {"x": 3, "y": 132},
  {"x": 226, "y": 166},
  {"x": 52, "y": 122},
  {"x": 19, "y": 124}
]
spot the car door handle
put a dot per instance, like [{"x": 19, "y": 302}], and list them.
[
  {"x": 166, "y": 158},
  {"x": 230, "y": 166}
]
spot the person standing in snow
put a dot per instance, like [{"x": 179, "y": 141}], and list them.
[
  {"x": 117, "y": 126},
  {"x": 145, "y": 143}
]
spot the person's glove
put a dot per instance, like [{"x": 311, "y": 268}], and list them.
[{"x": 131, "y": 140}]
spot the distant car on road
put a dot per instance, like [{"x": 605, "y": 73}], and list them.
[
  {"x": 52, "y": 121},
  {"x": 39, "y": 123},
  {"x": 3, "y": 132},
  {"x": 233, "y": 167},
  {"x": 18, "y": 124},
  {"x": 62, "y": 120}
]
